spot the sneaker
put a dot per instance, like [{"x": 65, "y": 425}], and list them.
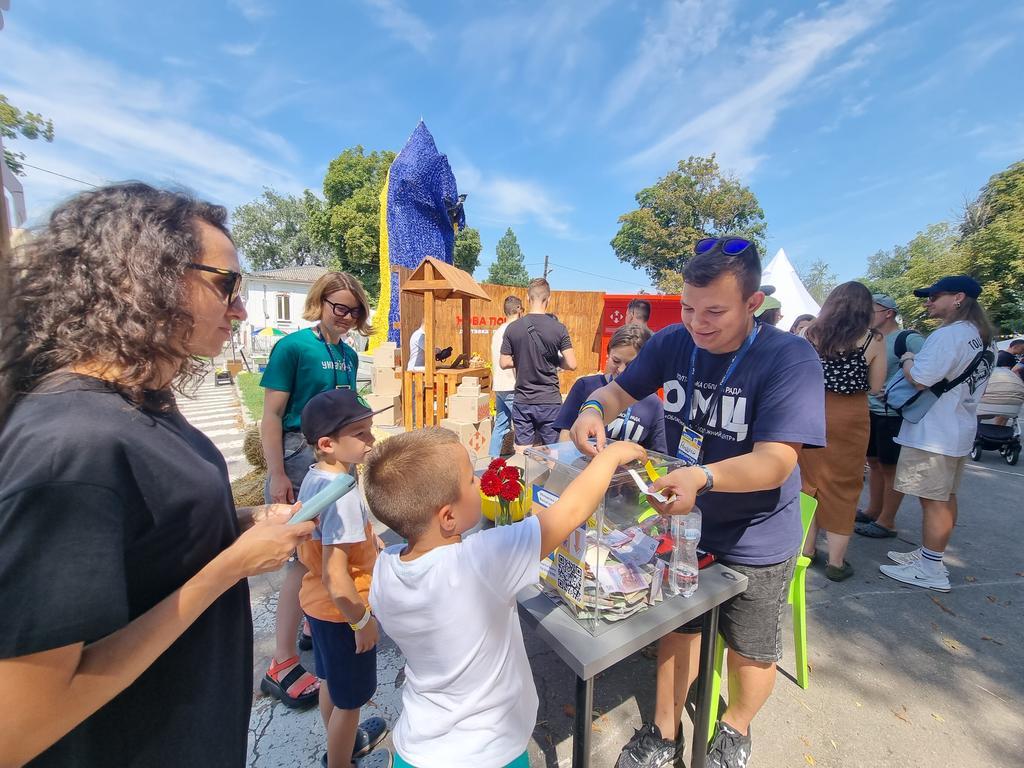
[
  {"x": 915, "y": 575},
  {"x": 729, "y": 748},
  {"x": 647, "y": 749},
  {"x": 913, "y": 556}
]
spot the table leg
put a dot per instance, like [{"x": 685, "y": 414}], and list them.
[
  {"x": 582, "y": 731},
  {"x": 702, "y": 715}
]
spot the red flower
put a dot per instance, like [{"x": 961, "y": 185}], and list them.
[
  {"x": 490, "y": 483},
  {"x": 510, "y": 490},
  {"x": 509, "y": 474},
  {"x": 497, "y": 464}
]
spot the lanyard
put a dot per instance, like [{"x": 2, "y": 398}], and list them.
[
  {"x": 626, "y": 413},
  {"x": 716, "y": 396},
  {"x": 330, "y": 354}
]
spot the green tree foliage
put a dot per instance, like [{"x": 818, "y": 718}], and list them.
[
  {"x": 467, "y": 249},
  {"x": 694, "y": 201},
  {"x": 347, "y": 220},
  {"x": 818, "y": 279},
  {"x": 272, "y": 232},
  {"x": 508, "y": 268},
  {"x": 28, "y": 125}
]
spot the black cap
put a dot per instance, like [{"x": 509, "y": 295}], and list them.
[
  {"x": 952, "y": 284},
  {"x": 329, "y": 411}
]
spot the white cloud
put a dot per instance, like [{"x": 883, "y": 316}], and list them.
[
  {"x": 241, "y": 50},
  {"x": 774, "y": 72},
  {"x": 502, "y": 200},
  {"x": 112, "y": 124},
  {"x": 253, "y": 10},
  {"x": 405, "y": 25}
]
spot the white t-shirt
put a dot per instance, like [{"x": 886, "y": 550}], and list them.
[
  {"x": 417, "y": 359},
  {"x": 951, "y": 423},
  {"x": 502, "y": 380},
  {"x": 469, "y": 700},
  {"x": 344, "y": 521}
]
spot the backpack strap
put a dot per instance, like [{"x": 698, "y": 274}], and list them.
[{"x": 899, "y": 346}]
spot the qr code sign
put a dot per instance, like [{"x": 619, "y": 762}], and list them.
[{"x": 570, "y": 579}]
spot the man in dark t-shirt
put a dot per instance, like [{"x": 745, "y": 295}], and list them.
[
  {"x": 741, "y": 400},
  {"x": 537, "y": 345}
]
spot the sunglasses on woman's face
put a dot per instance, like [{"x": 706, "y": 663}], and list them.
[
  {"x": 935, "y": 297},
  {"x": 230, "y": 286},
  {"x": 342, "y": 311},
  {"x": 731, "y": 246}
]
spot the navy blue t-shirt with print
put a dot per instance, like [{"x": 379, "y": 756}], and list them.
[
  {"x": 776, "y": 394},
  {"x": 645, "y": 424}
]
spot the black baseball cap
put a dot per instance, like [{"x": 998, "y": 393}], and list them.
[
  {"x": 329, "y": 411},
  {"x": 952, "y": 284}
]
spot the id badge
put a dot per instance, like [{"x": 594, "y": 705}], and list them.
[{"x": 690, "y": 443}]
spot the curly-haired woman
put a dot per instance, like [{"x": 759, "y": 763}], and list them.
[
  {"x": 853, "y": 359},
  {"x": 127, "y": 630},
  {"x": 303, "y": 364}
]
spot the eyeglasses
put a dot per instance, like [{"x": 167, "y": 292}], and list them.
[
  {"x": 342, "y": 311},
  {"x": 731, "y": 246},
  {"x": 231, "y": 287},
  {"x": 936, "y": 296}
]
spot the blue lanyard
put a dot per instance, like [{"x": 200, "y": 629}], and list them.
[{"x": 717, "y": 394}]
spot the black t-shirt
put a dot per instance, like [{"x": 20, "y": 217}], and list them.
[
  {"x": 535, "y": 353},
  {"x": 105, "y": 510}
]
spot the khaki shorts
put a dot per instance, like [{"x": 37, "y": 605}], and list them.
[{"x": 928, "y": 475}]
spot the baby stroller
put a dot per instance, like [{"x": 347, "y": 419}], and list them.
[{"x": 1004, "y": 438}]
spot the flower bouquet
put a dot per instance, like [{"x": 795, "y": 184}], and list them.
[{"x": 502, "y": 491}]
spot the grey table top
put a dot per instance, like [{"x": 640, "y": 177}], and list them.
[{"x": 588, "y": 654}]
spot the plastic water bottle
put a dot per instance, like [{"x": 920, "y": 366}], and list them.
[{"x": 683, "y": 568}]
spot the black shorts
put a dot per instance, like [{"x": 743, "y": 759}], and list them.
[
  {"x": 882, "y": 443},
  {"x": 752, "y": 621},
  {"x": 535, "y": 423},
  {"x": 351, "y": 677}
]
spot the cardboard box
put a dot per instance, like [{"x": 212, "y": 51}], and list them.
[
  {"x": 384, "y": 380},
  {"x": 469, "y": 409},
  {"x": 475, "y": 436},
  {"x": 386, "y": 355},
  {"x": 389, "y": 418}
]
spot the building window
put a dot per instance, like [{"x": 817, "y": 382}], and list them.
[{"x": 284, "y": 306}]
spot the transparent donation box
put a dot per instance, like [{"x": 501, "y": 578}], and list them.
[{"x": 613, "y": 566}]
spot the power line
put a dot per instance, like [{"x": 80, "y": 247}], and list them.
[
  {"x": 592, "y": 274},
  {"x": 54, "y": 173}
]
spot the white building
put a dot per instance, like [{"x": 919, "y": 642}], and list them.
[{"x": 275, "y": 298}]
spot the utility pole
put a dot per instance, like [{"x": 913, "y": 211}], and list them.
[{"x": 546, "y": 270}]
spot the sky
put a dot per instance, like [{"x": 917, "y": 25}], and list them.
[{"x": 857, "y": 124}]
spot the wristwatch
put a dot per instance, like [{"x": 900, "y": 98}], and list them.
[
  {"x": 709, "y": 482},
  {"x": 363, "y": 621}
]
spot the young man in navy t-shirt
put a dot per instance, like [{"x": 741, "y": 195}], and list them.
[{"x": 741, "y": 400}]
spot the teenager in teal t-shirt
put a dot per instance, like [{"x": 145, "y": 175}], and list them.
[{"x": 303, "y": 364}]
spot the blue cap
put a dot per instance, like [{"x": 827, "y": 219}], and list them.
[{"x": 952, "y": 284}]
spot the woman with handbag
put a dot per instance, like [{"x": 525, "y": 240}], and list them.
[
  {"x": 853, "y": 360},
  {"x": 956, "y": 360}
]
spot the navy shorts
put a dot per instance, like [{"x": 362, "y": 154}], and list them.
[
  {"x": 351, "y": 677},
  {"x": 882, "y": 443},
  {"x": 535, "y": 423}
]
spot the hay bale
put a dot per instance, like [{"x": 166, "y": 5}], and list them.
[
  {"x": 252, "y": 448},
  {"x": 247, "y": 491}
]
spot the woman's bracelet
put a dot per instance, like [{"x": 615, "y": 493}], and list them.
[{"x": 595, "y": 404}]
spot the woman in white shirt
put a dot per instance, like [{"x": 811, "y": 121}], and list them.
[{"x": 935, "y": 449}]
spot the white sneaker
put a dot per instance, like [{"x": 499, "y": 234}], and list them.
[
  {"x": 913, "y": 556},
  {"x": 915, "y": 575}
]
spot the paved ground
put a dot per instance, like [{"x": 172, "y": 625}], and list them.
[
  {"x": 216, "y": 411},
  {"x": 899, "y": 676}
]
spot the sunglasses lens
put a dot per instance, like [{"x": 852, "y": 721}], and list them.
[
  {"x": 705, "y": 245},
  {"x": 735, "y": 245}
]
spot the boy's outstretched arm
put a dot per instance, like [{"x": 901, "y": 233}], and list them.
[{"x": 584, "y": 494}]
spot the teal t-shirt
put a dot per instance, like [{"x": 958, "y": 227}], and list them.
[
  {"x": 914, "y": 343},
  {"x": 304, "y": 365}
]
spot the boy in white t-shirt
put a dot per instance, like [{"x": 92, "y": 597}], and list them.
[{"x": 450, "y": 604}]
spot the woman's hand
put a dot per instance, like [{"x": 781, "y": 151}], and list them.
[
  {"x": 247, "y": 516},
  {"x": 267, "y": 545},
  {"x": 281, "y": 491}
]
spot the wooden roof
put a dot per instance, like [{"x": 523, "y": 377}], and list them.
[{"x": 444, "y": 281}]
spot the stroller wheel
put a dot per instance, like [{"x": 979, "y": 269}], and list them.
[
  {"x": 1011, "y": 455},
  {"x": 976, "y": 452}
]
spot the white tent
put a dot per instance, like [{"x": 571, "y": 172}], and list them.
[{"x": 789, "y": 289}]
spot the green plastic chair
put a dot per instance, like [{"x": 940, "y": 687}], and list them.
[{"x": 797, "y": 598}]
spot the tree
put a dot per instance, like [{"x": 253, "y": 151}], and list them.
[
  {"x": 467, "y": 249},
  {"x": 508, "y": 268},
  {"x": 818, "y": 279},
  {"x": 29, "y": 125},
  {"x": 347, "y": 221},
  {"x": 694, "y": 201},
  {"x": 273, "y": 232}
]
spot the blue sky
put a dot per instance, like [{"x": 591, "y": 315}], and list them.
[{"x": 857, "y": 123}]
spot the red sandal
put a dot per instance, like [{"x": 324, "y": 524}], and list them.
[{"x": 298, "y": 690}]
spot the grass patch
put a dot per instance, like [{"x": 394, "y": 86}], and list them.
[{"x": 252, "y": 393}]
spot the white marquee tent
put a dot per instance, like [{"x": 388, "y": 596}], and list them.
[{"x": 789, "y": 289}]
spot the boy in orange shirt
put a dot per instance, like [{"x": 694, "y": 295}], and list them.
[{"x": 335, "y": 590}]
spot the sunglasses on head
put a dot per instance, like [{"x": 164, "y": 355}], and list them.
[
  {"x": 342, "y": 311},
  {"x": 731, "y": 246},
  {"x": 231, "y": 286}
]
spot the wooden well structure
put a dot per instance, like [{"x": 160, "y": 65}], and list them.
[{"x": 425, "y": 393}]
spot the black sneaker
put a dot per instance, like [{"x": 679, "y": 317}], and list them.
[
  {"x": 647, "y": 749},
  {"x": 729, "y": 748}
]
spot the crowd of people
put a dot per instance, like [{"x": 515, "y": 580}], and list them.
[{"x": 124, "y": 564}]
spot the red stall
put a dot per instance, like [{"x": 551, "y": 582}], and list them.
[{"x": 664, "y": 312}]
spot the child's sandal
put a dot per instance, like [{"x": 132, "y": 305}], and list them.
[{"x": 297, "y": 690}]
